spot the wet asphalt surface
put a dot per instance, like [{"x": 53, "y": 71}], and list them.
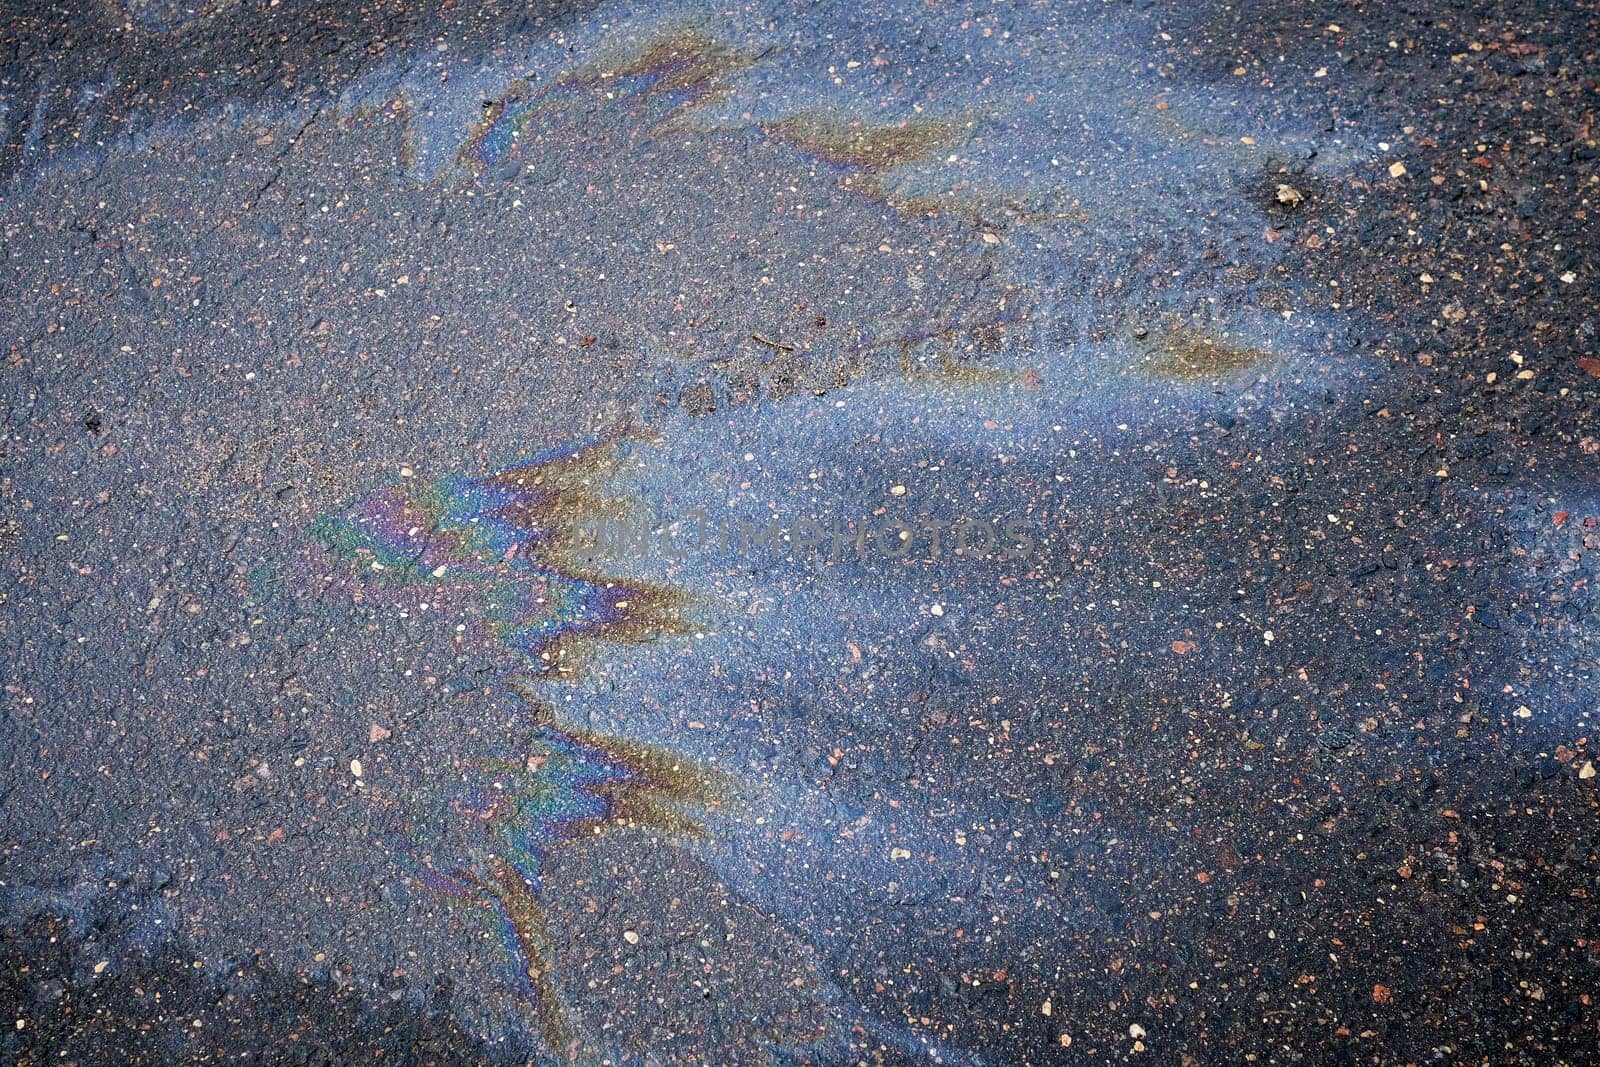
[{"x": 849, "y": 533}]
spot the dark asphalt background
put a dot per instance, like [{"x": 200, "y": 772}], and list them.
[{"x": 1272, "y": 319}]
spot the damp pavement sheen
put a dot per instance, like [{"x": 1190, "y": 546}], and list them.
[{"x": 799, "y": 534}]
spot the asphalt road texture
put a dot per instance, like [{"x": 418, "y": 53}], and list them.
[{"x": 842, "y": 533}]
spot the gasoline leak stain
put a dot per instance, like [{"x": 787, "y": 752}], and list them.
[
  {"x": 566, "y": 785},
  {"x": 499, "y": 548},
  {"x": 683, "y": 61},
  {"x": 873, "y": 151},
  {"x": 863, "y": 146},
  {"x": 571, "y": 782},
  {"x": 498, "y": 551},
  {"x": 1187, "y": 355},
  {"x": 675, "y": 70},
  {"x": 504, "y": 898}
]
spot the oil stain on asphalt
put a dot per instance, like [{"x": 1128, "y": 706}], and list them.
[{"x": 863, "y": 533}]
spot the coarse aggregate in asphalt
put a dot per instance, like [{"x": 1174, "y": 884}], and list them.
[{"x": 802, "y": 534}]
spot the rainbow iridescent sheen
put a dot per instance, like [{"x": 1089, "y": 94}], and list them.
[
  {"x": 494, "y": 547},
  {"x": 500, "y": 539},
  {"x": 672, "y": 70},
  {"x": 567, "y": 784}
]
